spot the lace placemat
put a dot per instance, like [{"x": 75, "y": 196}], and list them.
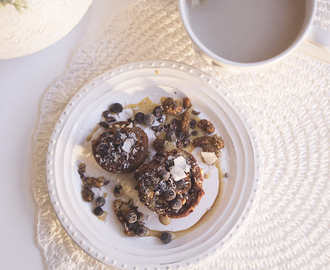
[{"x": 290, "y": 105}]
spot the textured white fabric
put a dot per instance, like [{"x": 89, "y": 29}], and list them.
[{"x": 290, "y": 105}]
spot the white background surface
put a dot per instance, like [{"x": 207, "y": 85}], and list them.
[{"x": 23, "y": 81}]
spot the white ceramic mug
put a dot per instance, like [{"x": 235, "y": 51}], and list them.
[{"x": 243, "y": 34}]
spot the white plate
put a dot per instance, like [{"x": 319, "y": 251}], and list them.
[{"x": 105, "y": 241}]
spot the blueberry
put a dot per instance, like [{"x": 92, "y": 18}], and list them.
[
  {"x": 100, "y": 201},
  {"x": 158, "y": 111},
  {"x": 164, "y": 175},
  {"x": 181, "y": 184},
  {"x": 116, "y": 108},
  {"x": 166, "y": 237},
  {"x": 98, "y": 211},
  {"x": 131, "y": 217},
  {"x": 176, "y": 204},
  {"x": 102, "y": 149},
  {"x": 179, "y": 134},
  {"x": 141, "y": 231},
  {"x": 170, "y": 194},
  {"x": 119, "y": 191},
  {"x": 149, "y": 119},
  {"x": 170, "y": 136},
  {"x": 139, "y": 117}
]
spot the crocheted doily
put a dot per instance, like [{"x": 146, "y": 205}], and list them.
[{"x": 290, "y": 105}]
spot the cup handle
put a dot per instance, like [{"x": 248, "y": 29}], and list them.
[{"x": 317, "y": 44}]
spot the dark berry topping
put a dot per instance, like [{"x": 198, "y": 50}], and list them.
[
  {"x": 166, "y": 237},
  {"x": 104, "y": 124},
  {"x": 140, "y": 216},
  {"x": 149, "y": 119},
  {"x": 110, "y": 119},
  {"x": 195, "y": 112},
  {"x": 164, "y": 175},
  {"x": 170, "y": 136},
  {"x": 156, "y": 128},
  {"x": 176, "y": 204},
  {"x": 160, "y": 120},
  {"x": 98, "y": 211},
  {"x": 139, "y": 117},
  {"x": 158, "y": 111},
  {"x": 192, "y": 124},
  {"x": 141, "y": 231},
  {"x": 131, "y": 217},
  {"x": 117, "y": 135},
  {"x": 186, "y": 142},
  {"x": 100, "y": 201},
  {"x": 179, "y": 134},
  {"x": 170, "y": 194},
  {"x": 116, "y": 108},
  {"x": 106, "y": 114},
  {"x": 179, "y": 144},
  {"x": 181, "y": 184},
  {"x": 119, "y": 191},
  {"x": 194, "y": 133},
  {"x": 169, "y": 164},
  {"x": 102, "y": 149}
]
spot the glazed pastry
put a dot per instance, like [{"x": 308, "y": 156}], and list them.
[
  {"x": 171, "y": 184},
  {"x": 121, "y": 148}
]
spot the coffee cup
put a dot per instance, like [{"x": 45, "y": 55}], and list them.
[{"x": 243, "y": 34}]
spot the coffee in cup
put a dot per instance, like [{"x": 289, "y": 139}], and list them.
[{"x": 240, "y": 34}]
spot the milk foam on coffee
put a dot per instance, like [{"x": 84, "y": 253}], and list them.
[{"x": 246, "y": 31}]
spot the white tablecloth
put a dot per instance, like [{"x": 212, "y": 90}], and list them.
[{"x": 290, "y": 105}]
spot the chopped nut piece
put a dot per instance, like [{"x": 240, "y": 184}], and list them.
[
  {"x": 217, "y": 142},
  {"x": 95, "y": 182},
  {"x": 124, "y": 212},
  {"x": 206, "y": 126},
  {"x": 201, "y": 141},
  {"x": 185, "y": 123},
  {"x": 195, "y": 113},
  {"x": 171, "y": 107},
  {"x": 186, "y": 103},
  {"x": 81, "y": 169},
  {"x": 159, "y": 145},
  {"x": 87, "y": 195}
]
